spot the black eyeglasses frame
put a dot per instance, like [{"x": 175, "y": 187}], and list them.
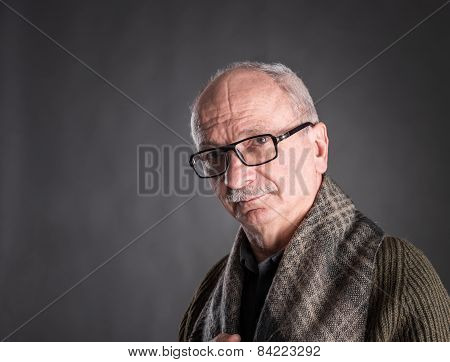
[{"x": 232, "y": 147}]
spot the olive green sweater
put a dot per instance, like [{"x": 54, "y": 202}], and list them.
[{"x": 408, "y": 301}]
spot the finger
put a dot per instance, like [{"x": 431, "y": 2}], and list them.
[
  {"x": 234, "y": 338},
  {"x": 225, "y": 337}
]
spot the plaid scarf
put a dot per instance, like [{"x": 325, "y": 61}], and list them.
[{"x": 321, "y": 289}]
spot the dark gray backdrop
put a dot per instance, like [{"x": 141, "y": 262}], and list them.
[{"x": 68, "y": 144}]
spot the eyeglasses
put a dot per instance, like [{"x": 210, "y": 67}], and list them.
[{"x": 252, "y": 151}]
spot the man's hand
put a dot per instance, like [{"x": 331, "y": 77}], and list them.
[{"x": 225, "y": 337}]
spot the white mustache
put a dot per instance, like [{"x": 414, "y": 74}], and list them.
[{"x": 243, "y": 194}]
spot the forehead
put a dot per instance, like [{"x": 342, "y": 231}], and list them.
[{"x": 241, "y": 104}]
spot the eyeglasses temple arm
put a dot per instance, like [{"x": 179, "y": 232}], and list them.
[{"x": 292, "y": 131}]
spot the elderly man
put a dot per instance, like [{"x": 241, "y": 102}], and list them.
[{"x": 306, "y": 265}]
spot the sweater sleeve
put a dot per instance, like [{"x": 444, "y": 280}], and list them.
[
  {"x": 199, "y": 299},
  {"x": 408, "y": 301}
]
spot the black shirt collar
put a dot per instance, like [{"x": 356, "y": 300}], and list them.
[{"x": 249, "y": 261}]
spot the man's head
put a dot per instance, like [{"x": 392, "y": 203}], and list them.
[{"x": 249, "y": 99}]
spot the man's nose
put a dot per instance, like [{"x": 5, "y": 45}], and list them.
[{"x": 238, "y": 175}]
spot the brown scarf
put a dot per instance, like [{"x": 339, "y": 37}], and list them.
[{"x": 321, "y": 289}]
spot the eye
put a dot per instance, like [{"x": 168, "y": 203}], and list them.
[
  {"x": 214, "y": 157},
  {"x": 211, "y": 156},
  {"x": 261, "y": 140}
]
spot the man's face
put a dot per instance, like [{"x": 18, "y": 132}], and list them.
[{"x": 248, "y": 103}]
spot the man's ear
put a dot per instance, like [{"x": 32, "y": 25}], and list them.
[{"x": 320, "y": 139}]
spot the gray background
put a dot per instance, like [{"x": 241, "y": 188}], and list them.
[{"x": 68, "y": 144}]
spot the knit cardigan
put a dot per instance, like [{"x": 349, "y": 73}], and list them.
[
  {"x": 408, "y": 301},
  {"x": 405, "y": 299}
]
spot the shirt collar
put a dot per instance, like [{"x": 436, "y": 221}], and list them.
[{"x": 248, "y": 259}]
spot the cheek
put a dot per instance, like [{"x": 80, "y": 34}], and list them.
[
  {"x": 217, "y": 186},
  {"x": 213, "y": 183},
  {"x": 220, "y": 190},
  {"x": 290, "y": 172},
  {"x": 273, "y": 173}
]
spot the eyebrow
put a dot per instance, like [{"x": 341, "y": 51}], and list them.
[{"x": 248, "y": 132}]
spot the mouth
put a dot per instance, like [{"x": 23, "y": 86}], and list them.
[
  {"x": 243, "y": 208},
  {"x": 251, "y": 198},
  {"x": 251, "y": 202}
]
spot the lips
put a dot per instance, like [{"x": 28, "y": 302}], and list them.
[
  {"x": 253, "y": 198},
  {"x": 245, "y": 206},
  {"x": 251, "y": 203}
]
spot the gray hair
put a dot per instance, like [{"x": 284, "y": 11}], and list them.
[{"x": 286, "y": 79}]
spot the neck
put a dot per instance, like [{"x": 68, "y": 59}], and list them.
[{"x": 265, "y": 244}]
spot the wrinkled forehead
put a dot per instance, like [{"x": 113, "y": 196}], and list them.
[{"x": 241, "y": 101}]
